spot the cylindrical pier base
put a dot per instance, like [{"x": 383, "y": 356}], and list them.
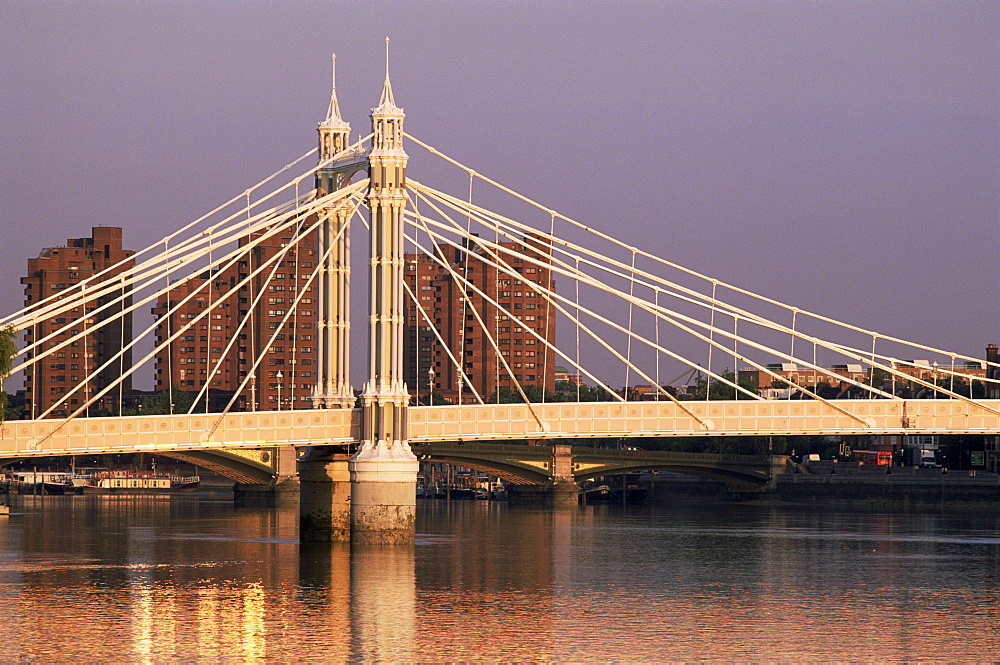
[
  {"x": 324, "y": 496},
  {"x": 383, "y": 495}
]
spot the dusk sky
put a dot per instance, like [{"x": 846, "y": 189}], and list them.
[{"x": 840, "y": 156}]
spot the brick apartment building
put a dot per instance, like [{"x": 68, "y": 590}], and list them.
[
  {"x": 287, "y": 342},
  {"x": 64, "y": 373},
  {"x": 460, "y": 315}
]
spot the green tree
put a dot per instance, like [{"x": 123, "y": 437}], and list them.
[
  {"x": 159, "y": 403},
  {"x": 971, "y": 388},
  {"x": 720, "y": 390},
  {"x": 8, "y": 347},
  {"x": 429, "y": 399},
  {"x": 570, "y": 392}
]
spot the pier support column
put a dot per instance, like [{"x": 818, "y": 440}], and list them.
[
  {"x": 383, "y": 495},
  {"x": 324, "y": 496},
  {"x": 563, "y": 488}
]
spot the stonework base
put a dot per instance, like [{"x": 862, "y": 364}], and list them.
[
  {"x": 383, "y": 495},
  {"x": 554, "y": 494},
  {"x": 324, "y": 497}
]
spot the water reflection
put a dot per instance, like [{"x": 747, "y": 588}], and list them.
[
  {"x": 324, "y": 595},
  {"x": 87, "y": 579}
]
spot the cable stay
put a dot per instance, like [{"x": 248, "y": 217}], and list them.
[{"x": 640, "y": 252}]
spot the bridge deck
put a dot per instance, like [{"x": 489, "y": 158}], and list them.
[{"x": 502, "y": 422}]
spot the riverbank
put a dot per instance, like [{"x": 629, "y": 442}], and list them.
[
  {"x": 897, "y": 487},
  {"x": 866, "y": 487}
]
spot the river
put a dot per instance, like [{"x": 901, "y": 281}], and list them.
[{"x": 193, "y": 578}]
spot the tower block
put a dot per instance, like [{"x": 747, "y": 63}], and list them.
[{"x": 384, "y": 470}]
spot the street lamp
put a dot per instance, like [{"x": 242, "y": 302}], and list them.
[
  {"x": 279, "y": 376},
  {"x": 430, "y": 384}
]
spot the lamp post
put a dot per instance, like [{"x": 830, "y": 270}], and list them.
[
  {"x": 430, "y": 385},
  {"x": 279, "y": 376}
]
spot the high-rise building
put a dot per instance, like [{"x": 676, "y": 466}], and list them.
[
  {"x": 471, "y": 329},
  {"x": 224, "y": 321},
  {"x": 70, "y": 376}
]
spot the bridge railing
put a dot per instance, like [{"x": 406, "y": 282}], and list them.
[
  {"x": 503, "y": 422},
  {"x": 711, "y": 418}
]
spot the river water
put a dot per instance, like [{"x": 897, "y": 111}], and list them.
[{"x": 193, "y": 578}]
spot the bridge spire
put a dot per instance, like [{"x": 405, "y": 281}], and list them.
[
  {"x": 386, "y": 104},
  {"x": 333, "y": 118},
  {"x": 334, "y": 132}
]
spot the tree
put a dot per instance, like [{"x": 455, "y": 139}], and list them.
[
  {"x": 8, "y": 347},
  {"x": 429, "y": 399},
  {"x": 159, "y": 404},
  {"x": 720, "y": 390}
]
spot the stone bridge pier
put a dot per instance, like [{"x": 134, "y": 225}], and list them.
[
  {"x": 324, "y": 495},
  {"x": 561, "y": 489}
]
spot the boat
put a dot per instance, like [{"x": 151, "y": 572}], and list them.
[
  {"x": 136, "y": 482},
  {"x": 4, "y": 510},
  {"x": 39, "y": 482},
  {"x": 598, "y": 494},
  {"x": 606, "y": 494}
]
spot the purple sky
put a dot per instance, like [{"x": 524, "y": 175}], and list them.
[{"x": 841, "y": 156}]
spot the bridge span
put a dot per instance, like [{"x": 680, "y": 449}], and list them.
[
  {"x": 500, "y": 422},
  {"x": 548, "y": 464}
]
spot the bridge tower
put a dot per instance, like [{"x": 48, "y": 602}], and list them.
[
  {"x": 324, "y": 479},
  {"x": 384, "y": 470},
  {"x": 333, "y": 384}
]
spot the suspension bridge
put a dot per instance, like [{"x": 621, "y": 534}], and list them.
[{"x": 624, "y": 316}]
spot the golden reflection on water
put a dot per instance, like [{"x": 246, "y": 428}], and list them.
[
  {"x": 382, "y": 603},
  {"x": 153, "y": 581}
]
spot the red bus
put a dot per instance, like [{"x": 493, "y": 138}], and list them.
[{"x": 872, "y": 457}]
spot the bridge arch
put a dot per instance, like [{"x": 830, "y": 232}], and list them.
[
  {"x": 250, "y": 467},
  {"x": 536, "y": 465},
  {"x": 516, "y": 464}
]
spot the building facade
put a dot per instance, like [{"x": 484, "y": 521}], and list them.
[
  {"x": 58, "y": 384},
  {"x": 448, "y": 326},
  {"x": 222, "y": 322}
]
